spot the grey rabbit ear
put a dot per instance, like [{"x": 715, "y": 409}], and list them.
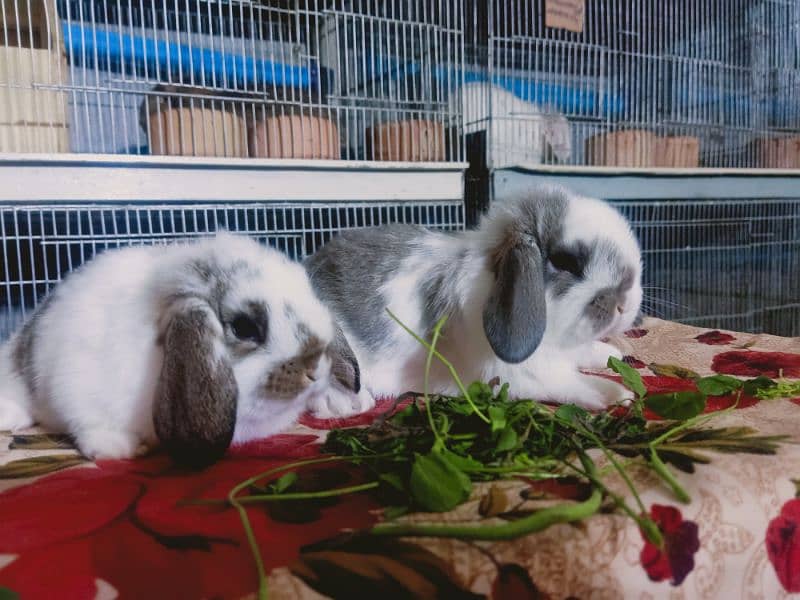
[
  {"x": 344, "y": 365},
  {"x": 195, "y": 404},
  {"x": 514, "y": 317}
]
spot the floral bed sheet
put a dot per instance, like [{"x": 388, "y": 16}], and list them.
[{"x": 135, "y": 529}]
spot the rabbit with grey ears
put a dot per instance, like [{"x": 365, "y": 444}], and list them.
[
  {"x": 520, "y": 132},
  {"x": 529, "y": 296},
  {"x": 192, "y": 345}
]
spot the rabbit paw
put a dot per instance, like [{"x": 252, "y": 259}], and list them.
[
  {"x": 109, "y": 444},
  {"x": 336, "y": 402},
  {"x": 13, "y": 417},
  {"x": 595, "y": 355}
]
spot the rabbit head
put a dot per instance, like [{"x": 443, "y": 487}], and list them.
[
  {"x": 246, "y": 345},
  {"x": 564, "y": 267}
]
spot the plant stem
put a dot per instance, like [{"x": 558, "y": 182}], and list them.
[
  {"x": 447, "y": 364},
  {"x": 666, "y": 475},
  {"x": 291, "y": 495},
  {"x": 541, "y": 519},
  {"x": 596, "y": 440},
  {"x": 428, "y": 409},
  {"x": 644, "y": 523},
  {"x": 251, "y": 538}
]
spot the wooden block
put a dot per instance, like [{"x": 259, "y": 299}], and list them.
[
  {"x": 33, "y": 138},
  {"x": 201, "y": 130},
  {"x": 30, "y": 24},
  {"x": 778, "y": 153},
  {"x": 407, "y": 141},
  {"x": 294, "y": 136},
  {"x": 565, "y": 14},
  {"x": 25, "y": 74},
  {"x": 629, "y": 148},
  {"x": 678, "y": 152}
]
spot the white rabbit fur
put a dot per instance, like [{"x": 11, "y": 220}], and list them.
[
  {"x": 514, "y": 309},
  {"x": 520, "y": 131},
  {"x": 95, "y": 359}
]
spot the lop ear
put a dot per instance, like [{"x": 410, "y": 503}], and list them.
[
  {"x": 344, "y": 365},
  {"x": 195, "y": 405},
  {"x": 514, "y": 317}
]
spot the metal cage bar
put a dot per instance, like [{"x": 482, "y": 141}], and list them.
[
  {"x": 638, "y": 83},
  {"x": 41, "y": 243},
  {"x": 313, "y": 79}
]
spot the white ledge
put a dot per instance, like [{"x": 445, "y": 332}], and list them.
[{"x": 120, "y": 178}]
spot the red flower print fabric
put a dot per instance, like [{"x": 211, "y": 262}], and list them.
[
  {"x": 750, "y": 363},
  {"x": 715, "y": 338},
  {"x": 676, "y": 559},
  {"x": 783, "y": 545}
]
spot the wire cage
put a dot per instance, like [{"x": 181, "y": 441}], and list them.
[
  {"x": 39, "y": 244},
  {"x": 721, "y": 262},
  {"x": 635, "y": 83},
  {"x": 317, "y": 81},
  {"x": 310, "y": 79}
]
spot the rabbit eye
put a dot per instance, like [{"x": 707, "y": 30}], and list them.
[
  {"x": 565, "y": 261},
  {"x": 245, "y": 329}
]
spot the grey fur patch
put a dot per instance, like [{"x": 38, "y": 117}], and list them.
[
  {"x": 602, "y": 307},
  {"x": 24, "y": 348},
  {"x": 527, "y": 228},
  {"x": 515, "y": 317},
  {"x": 438, "y": 294},
  {"x": 344, "y": 365},
  {"x": 195, "y": 403},
  {"x": 348, "y": 272}
]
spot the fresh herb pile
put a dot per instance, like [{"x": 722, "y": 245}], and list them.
[{"x": 428, "y": 455}]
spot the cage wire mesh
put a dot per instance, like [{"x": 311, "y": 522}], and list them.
[
  {"x": 313, "y": 79},
  {"x": 721, "y": 263},
  {"x": 644, "y": 83},
  {"x": 40, "y": 244}
]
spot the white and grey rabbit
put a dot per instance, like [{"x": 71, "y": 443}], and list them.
[
  {"x": 529, "y": 296},
  {"x": 519, "y": 132},
  {"x": 191, "y": 345}
]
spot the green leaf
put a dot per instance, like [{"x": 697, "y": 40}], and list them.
[
  {"x": 479, "y": 391},
  {"x": 461, "y": 462},
  {"x": 39, "y": 465},
  {"x": 507, "y": 440},
  {"x": 284, "y": 482},
  {"x": 718, "y": 385},
  {"x": 497, "y": 415},
  {"x": 673, "y": 371},
  {"x": 751, "y": 387},
  {"x": 7, "y": 594},
  {"x": 392, "y": 512},
  {"x": 436, "y": 484},
  {"x": 378, "y": 568},
  {"x": 42, "y": 441},
  {"x": 394, "y": 480},
  {"x": 502, "y": 395},
  {"x": 630, "y": 376},
  {"x": 571, "y": 413},
  {"x": 677, "y": 406}
]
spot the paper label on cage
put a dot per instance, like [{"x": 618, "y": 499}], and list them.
[{"x": 565, "y": 14}]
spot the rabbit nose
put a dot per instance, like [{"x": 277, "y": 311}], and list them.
[{"x": 620, "y": 309}]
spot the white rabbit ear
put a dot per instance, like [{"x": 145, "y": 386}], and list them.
[
  {"x": 514, "y": 316},
  {"x": 344, "y": 364},
  {"x": 195, "y": 405}
]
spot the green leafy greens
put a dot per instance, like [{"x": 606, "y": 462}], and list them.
[{"x": 427, "y": 455}]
